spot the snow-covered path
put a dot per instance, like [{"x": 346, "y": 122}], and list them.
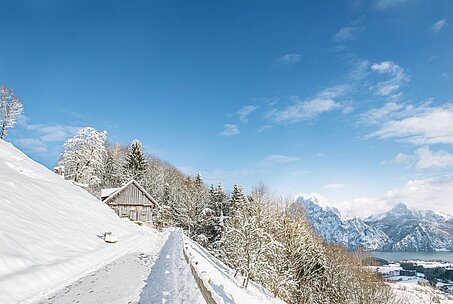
[
  {"x": 117, "y": 282},
  {"x": 170, "y": 280}
]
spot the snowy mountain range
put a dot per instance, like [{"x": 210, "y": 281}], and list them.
[{"x": 399, "y": 229}]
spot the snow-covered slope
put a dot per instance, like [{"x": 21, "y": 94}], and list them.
[
  {"x": 399, "y": 229},
  {"x": 332, "y": 227},
  {"x": 414, "y": 230},
  {"x": 50, "y": 229},
  {"x": 220, "y": 282}
]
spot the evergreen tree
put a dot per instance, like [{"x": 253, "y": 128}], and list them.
[
  {"x": 237, "y": 199},
  {"x": 136, "y": 163},
  {"x": 198, "y": 182}
]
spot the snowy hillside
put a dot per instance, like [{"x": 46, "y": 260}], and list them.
[
  {"x": 399, "y": 229},
  {"x": 50, "y": 229}
]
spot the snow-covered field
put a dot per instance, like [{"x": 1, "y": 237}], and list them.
[
  {"x": 220, "y": 281},
  {"x": 412, "y": 293},
  {"x": 50, "y": 230}
]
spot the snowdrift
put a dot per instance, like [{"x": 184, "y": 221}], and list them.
[{"x": 50, "y": 229}]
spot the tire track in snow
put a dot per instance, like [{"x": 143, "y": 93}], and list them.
[{"x": 170, "y": 280}]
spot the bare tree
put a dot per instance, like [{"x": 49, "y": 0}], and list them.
[{"x": 10, "y": 107}]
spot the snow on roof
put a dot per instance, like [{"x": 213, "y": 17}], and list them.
[
  {"x": 109, "y": 191},
  {"x": 134, "y": 182}
]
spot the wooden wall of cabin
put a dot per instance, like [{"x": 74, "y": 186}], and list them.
[
  {"x": 131, "y": 196},
  {"x": 134, "y": 213}
]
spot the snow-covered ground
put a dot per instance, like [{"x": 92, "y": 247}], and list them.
[
  {"x": 50, "y": 230},
  {"x": 220, "y": 281},
  {"x": 411, "y": 293}
]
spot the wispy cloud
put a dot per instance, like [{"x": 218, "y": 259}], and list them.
[
  {"x": 289, "y": 59},
  {"x": 278, "y": 159},
  {"x": 425, "y": 158},
  {"x": 437, "y": 190},
  {"x": 301, "y": 110},
  {"x": 439, "y": 25},
  {"x": 347, "y": 33},
  {"x": 378, "y": 115},
  {"x": 421, "y": 125},
  {"x": 398, "y": 77},
  {"x": 43, "y": 135},
  {"x": 230, "y": 130},
  {"x": 244, "y": 113},
  {"x": 386, "y": 4}
]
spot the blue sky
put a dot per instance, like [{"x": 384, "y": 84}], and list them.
[{"x": 352, "y": 100}]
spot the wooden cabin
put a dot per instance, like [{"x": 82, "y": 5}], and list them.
[{"x": 130, "y": 201}]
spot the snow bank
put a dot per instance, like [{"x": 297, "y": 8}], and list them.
[
  {"x": 50, "y": 230},
  {"x": 219, "y": 279}
]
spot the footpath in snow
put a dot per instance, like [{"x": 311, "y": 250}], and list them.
[
  {"x": 118, "y": 282},
  {"x": 170, "y": 280}
]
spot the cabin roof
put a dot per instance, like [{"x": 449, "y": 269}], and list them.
[
  {"x": 111, "y": 193},
  {"x": 107, "y": 192}
]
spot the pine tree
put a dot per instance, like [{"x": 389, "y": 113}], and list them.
[
  {"x": 135, "y": 165},
  {"x": 237, "y": 199},
  {"x": 10, "y": 107},
  {"x": 198, "y": 182}
]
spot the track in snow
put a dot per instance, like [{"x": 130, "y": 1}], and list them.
[
  {"x": 170, "y": 280},
  {"x": 116, "y": 283}
]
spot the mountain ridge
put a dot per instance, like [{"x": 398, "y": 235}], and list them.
[{"x": 400, "y": 229}]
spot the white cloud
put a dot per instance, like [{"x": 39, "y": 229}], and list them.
[
  {"x": 33, "y": 145},
  {"x": 40, "y": 136},
  {"x": 398, "y": 77},
  {"x": 304, "y": 110},
  {"x": 386, "y": 4},
  {"x": 347, "y": 33},
  {"x": 230, "y": 130},
  {"x": 375, "y": 116},
  {"x": 278, "y": 159},
  {"x": 245, "y": 112},
  {"x": 430, "y": 159},
  {"x": 289, "y": 59},
  {"x": 419, "y": 125},
  {"x": 433, "y": 193},
  {"x": 439, "y": 25},
  {"x": 335, "y": 186},
  {"x": 360, "y": 70},
  {"x": 425, "y": 158}
]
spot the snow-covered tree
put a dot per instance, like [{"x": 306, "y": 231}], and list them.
[
  {"x": 83, "y": 156},
  {"x": 248, "y": 242},
  {"x": 10, "y": 107},
  {"x": 135, "y": 165},
  {"x": 237, "y": 199},
  {"x": 113, "y": 165}
]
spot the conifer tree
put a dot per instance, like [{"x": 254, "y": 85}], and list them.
[
  {"x": 135, "y": 165},
  {"x": 237, "y": 199}
]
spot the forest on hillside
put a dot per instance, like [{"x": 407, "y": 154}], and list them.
[{"x": 263, "y": 236}]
